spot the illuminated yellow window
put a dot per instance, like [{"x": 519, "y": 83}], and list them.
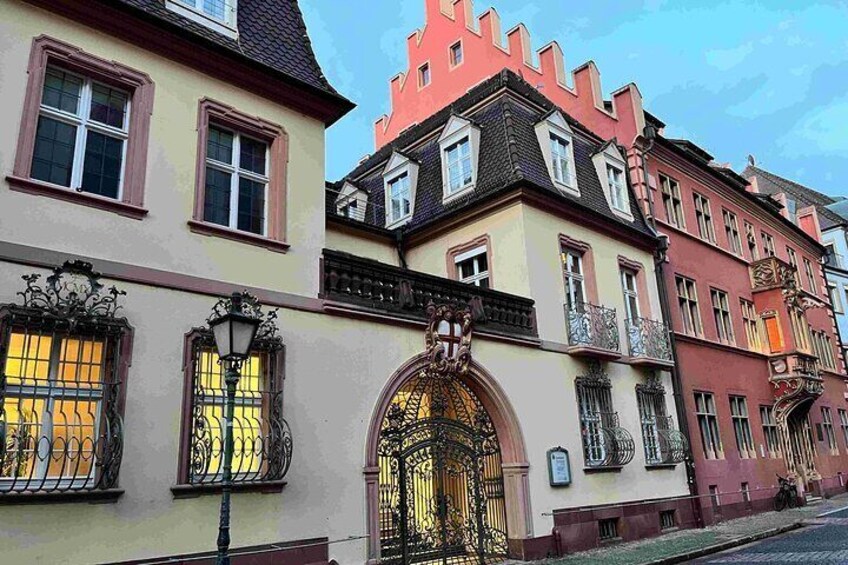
[{"x": 51, "y": 408}]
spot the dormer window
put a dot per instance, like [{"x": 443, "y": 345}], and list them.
[
  {"x": 617, "y": 188},
  {"x": 399, "y": 198},
  {"x": 557, "y": 145},
  {"x": 218, "y": 15},
  {"x": 352, "y": 202},
  {"x": 350, "y": 210},
  {"x": 610, "y": 166},
  {"x": 561, "y": 159},
  {"x": 460, "y": 147},
  {"x": 400, "y": 179},
  {"x": 459, "y": 166}
]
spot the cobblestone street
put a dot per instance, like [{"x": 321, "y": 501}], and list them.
[{"x": 822, "y": 540}]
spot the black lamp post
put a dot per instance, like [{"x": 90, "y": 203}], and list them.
[{"x": 234, "y": 328}]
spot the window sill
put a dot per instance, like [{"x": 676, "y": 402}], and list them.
[
  {"x": 660, "y": 466},
  {"x": 89, "y": 496},
  {"x": 208, "y": 229},
  {"x": 193, "y": 491},
  {"x": 607, "y": 469},
  {"x": 31, "y": 186},
  {"x": 465, "y": 190}
]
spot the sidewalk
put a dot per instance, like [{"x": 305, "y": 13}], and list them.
[{"x": 685, "y": 541}]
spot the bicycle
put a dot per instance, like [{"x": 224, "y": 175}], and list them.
[{"x": 787, "y": 494}]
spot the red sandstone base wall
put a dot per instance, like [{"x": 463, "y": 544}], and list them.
[{"x": 300, "y": 552}]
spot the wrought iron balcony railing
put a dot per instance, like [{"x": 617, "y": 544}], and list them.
[
  {"x": 663, "y": 444},
  {"x": 374, "y": 285},
  {"x": 648, "y": 339},
  {"x": 605, "y": 443},
  {"x": 592, "y": 326}
]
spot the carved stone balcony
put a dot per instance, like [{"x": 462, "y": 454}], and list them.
[
  {"x": 649, "y": 343},
  {"x": 592, "y": 331},
  {"x": 770, "y": 273},
  {"x": 796, "y": 381},
  {"x": 375, "y": 286}
]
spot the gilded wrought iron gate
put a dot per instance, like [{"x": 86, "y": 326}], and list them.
[{"x": 441, "y": 480}]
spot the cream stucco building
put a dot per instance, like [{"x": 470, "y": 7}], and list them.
[{"x": 160, "y": 147}]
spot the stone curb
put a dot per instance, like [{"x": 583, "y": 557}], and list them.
[{"x": 695, "y": 554}]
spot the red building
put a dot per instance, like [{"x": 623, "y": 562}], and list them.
[{"x": 758, "y": 373}]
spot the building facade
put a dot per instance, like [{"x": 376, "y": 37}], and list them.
[
  {"x": 499, "y": 337},
  {"x": 825, "y": 215},
  {"x": 762, "y": 383}
]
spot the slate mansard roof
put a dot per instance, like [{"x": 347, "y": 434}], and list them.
[
  {"x": 769, "y": 183},
  {"x": 506, "y": 109},
  {"x": 272, "y": 33}
]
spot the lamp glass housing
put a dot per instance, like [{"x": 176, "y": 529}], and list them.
[{"x": 234, "y": 335}]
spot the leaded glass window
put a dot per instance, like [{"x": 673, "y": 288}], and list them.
[{"x": 81, "y": 135}]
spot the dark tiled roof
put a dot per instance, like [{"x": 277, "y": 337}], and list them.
[
  {"x": 769, "y": 183},
  {"x": 271, "y": 32},
  {"x": 509, "y": 156}
]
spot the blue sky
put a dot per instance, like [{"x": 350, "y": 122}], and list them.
[{"x": 768, "y": 78}]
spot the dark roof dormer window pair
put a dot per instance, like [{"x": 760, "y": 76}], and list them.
[
  {"x": 217, "y": 15},
  {"x": 556, "y": 140}
]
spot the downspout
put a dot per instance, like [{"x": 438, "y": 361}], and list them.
[
  {"x": 660, "y": 258},
  {"x": 399, "y": 245}
]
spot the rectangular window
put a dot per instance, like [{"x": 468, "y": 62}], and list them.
[
  {"x": 596, "y": 416},
  {"x": 575, "y": 292},
  {"x": 742, "y": 427},
  {"x": 561, "y": 159},
  {"x": 631, "y": 294},
  {"x": 220, "y": 10},
  {"x": 80, "y": 139},
  {"x": 843, "y": 422},
  {"x": 608, "y": 529},
  {"x": 350, "y": 210},
  {"x": 770, "y": 432},
  {"x": 793, "y": 262},
  {"x": 752, "y": 327},
  {"x": 714, "y": 497},
  {"x": 746, "y": 492},
  {"x": 721, "y": 314},
  {"x": 667, "y": 520},
  {"x": 731, "y": 229},
  {"x": 236, "y": 181},
  {"x": 652, "y": 413},
  {"x": 617, "y": 188},
  {"x": 456, "y": 53},
  {"x": 460, "y": 171},
  {"x": 768, "y": 245},
  {"x": 751, "y": 238},
  {"x": 672, "y": 202},
  {"x": 835, "y": 299},
  {"x": 708, "y": 425},
  {"x": 830, "y": 436},
  {"x": 801, "y": 329},
  {"x": 261, "y": 450},
  {"x": 687, "y": 300},
  {"x": 423, "y": 75},
  {"x": 811, "y": 278},
  {"x": 704, "y": 218},
  {"x": 472, "y": 267},
  {"x": 399, "y": 198}
]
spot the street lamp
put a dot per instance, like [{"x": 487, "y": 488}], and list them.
[{"x": 234, "y": 325}]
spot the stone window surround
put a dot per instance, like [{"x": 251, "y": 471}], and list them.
[
  {"x": 567, "y": 243},
  {"x": 641, "y": 283},
  {"x": 455, "y": 251},
  {"x": 277, "y": 139},
  {"x": 48, "y": 51}
]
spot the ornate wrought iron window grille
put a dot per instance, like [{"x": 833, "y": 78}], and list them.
[
  {"x": 663, "y": 444},
  {"x": 262, "y": 439},
  {"x": 63, "y": 358},
  {"x": 590, "y": 325},
  {"x": 605, "y": 442}
]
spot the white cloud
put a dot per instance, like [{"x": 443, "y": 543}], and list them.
[{"x": 819, "y": 132}]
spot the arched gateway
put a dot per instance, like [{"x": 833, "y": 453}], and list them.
[{"x": 437, "y": 463}]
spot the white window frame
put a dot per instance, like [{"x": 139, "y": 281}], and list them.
[
  {"x": 452, "y": 51},
  {"x": 193, "y": 10},
  {"x": 397, "y": 166},
  {"x": 478, "y": 275},
  {"x": 573, "y": 280},
  {"x": 811, "y": 278},
  {"x": 236, "y": 172},
  {"x": 630, "y": 295},
  {"x": 456, "y": 131},
  {"x": 835, "y": 299},
  {"x": 555, "y": 126},
  {"x": 83, "y": 123},
  {"x": 704, "y": 217},
  {"x": 672, "y": 201},
  {"x": 609, "y": 157},
  {"x": 742, "y": 427},
  {"x": 352, "y": 194},
  {"x": 731, "y": 230}
]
